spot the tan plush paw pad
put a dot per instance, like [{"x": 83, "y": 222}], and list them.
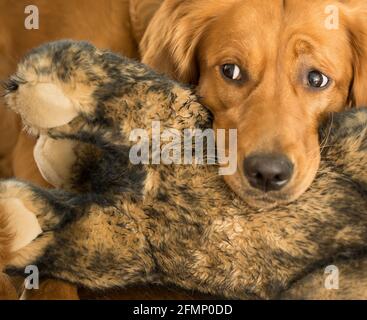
[
  {"x": 22, "y": 223},
  {"x": 44, "y": 105}
]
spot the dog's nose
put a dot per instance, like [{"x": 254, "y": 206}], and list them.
[{"x": 268, "y": 172}]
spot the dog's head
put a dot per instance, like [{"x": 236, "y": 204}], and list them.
[{"x": 271, "y": 69}]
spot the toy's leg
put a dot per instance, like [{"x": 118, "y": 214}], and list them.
[
  {"x": 27, "y": 207},
  {"x": 100, "y": 247},
  {"x": 28, "y": 214},
  {"x": 99, "y": 252}
]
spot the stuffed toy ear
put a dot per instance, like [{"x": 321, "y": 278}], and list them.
[
  {"x": 356, "y": 23},
  {"x": 141, "y": 12}
]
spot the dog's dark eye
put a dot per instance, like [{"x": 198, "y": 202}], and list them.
[
  {"x": 232, "y": 72},
  {"x": 317, "y": 79}
]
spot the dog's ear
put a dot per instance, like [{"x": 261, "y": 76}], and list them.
[
  {"x": 170, "y": 42},
  {"x": 356, "y": 23},
  {"x": 141, "y": 12}
]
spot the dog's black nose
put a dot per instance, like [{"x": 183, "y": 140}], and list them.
[{"x": 268, "y": 172}]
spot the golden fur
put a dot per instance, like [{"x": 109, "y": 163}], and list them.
[{"x": 275, "y": 43}]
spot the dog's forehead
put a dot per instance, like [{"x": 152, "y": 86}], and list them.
[
  {"x": 255, "y": 30},
  {"x": 251, "y": 17}
]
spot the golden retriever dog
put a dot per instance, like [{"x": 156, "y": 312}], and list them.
[{"x": 271, "y": 69}]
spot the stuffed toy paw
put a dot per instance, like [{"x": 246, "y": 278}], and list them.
[{"x": 112, "y": 223}]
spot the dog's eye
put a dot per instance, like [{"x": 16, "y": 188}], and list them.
[
  {"x": 316, "y": 79},
  {"x": 232, "y": 72}
]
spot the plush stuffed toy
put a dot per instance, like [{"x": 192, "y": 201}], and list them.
[{"x": 110, "y": 223}]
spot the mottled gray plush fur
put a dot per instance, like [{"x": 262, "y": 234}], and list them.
[{"x": 115, "y": 224}]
